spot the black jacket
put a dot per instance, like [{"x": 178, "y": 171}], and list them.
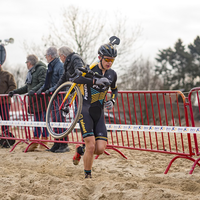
[{"x": 72, "y": 62}]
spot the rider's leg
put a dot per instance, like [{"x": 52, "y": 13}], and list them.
[
  {"x": 89, "y": 152},
  {"x": 100, "y": 133},
  {"x": 100, "y": 147}
]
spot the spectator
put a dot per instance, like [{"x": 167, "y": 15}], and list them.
[
  {"x": 35, "y": 79},
  {"x": 7, "y": 84},
  {"x": 54, "y": 73}
]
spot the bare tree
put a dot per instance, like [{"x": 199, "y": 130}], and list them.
[
  {"x": 78, "y": 29},
  {"x": 84, "y": 32},
  {"x": 129, "y": 36},
  {"x": 140, "y": 76}
]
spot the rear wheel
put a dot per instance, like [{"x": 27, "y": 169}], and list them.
[{"x": 60, "y": 122}]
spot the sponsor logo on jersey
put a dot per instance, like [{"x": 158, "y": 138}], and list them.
[{"x": 85, "y": 92}]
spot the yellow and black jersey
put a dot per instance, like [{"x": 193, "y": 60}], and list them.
[{"x": 95, "y": 94}]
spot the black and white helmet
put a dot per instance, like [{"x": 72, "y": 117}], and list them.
[{"x": 107, "y": 50}]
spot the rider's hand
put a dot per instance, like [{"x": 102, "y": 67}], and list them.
[
  {"x": 101, "y": 81},
  {"x": 109, "y": 104},
  {"x": 11, "y": 93},
  {"x": 31, "y": 93}
]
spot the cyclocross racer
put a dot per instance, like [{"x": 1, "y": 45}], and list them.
[{"x": 91, "y": 120}]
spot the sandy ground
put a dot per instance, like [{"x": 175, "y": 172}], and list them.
[{"x": 45, "y": 175}]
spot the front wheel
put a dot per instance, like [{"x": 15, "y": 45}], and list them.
[{"x": 61, "y": 121}]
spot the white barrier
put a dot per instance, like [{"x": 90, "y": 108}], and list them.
[{"x": 117, "y": 127}]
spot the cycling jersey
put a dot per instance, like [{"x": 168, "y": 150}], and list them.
[{"x": 92, "y": 116}]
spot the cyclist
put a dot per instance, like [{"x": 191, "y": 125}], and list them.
[{"x": 91, "y": 120}]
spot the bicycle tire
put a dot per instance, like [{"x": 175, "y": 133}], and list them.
[{"x": 69, "y": 115}]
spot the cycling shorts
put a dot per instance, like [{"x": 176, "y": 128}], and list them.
[{"x": 92, "y": 122}]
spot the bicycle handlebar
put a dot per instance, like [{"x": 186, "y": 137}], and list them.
[{"x": 87, "y": 70}]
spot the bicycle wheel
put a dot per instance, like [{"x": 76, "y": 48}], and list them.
[{"x": 61, "y": 121}]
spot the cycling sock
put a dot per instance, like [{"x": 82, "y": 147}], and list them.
[{"x": 87, "y": 173}]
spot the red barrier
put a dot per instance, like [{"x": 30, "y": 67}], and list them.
[
  {"x": 158, "y": 108},
  {"x": 36, "y": 106},
  {"x": 142, "y": 108},
  {"x": 12, "y": 110},
  {"x": 162, "y": 108}
]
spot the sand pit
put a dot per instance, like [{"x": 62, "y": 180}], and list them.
[{"x": 45, "y": 175}]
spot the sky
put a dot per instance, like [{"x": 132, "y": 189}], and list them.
[{"x": 162, "y": 22}]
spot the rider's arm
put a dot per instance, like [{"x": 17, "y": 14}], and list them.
[
  {"x": 114, "y": 90},
  {"x": 83, "y": 80},
  {"x": 79, "y": 79},
  {"x": 114, "y": 94}
]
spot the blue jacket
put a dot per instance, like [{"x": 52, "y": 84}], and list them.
[{"x": 54, "y": 73}]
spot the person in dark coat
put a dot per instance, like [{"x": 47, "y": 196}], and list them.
[
  {"x": 7, "y": 84},
  {"x": 34, "y": 80}
]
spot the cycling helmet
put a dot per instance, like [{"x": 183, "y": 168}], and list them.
[{"x": 107, "y": 50}]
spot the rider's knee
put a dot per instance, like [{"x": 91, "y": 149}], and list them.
[
  {"x": 100, "y": 151},
  {"x": 90, "y": 148}
]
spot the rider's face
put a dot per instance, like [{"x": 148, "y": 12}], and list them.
[{"x": 107, "y": 62}]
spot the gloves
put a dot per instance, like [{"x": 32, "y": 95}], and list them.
[
  {"x": 109, "y": 104},
  {"x": 101, "y": 81},
  {"x": 47, "y": 93},
  {"x": 31, "y": 93},
  {"x": 11, "y": 93}
]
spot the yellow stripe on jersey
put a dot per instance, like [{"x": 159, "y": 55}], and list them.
[
  {"x": 95, "y": 97},
  {"x": 102, "y": 95},
  {"x": 98, "y": 96}
]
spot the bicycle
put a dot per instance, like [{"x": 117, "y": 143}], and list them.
[{"x": 65, "y": 104}]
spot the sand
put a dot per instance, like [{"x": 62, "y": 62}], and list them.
[{"x": 51, "y": 176}]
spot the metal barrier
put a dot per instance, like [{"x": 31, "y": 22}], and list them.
[
  {"x": 154, "y": 121},
  {"x": 159, "y": 116},
  {"x": 11, "y": 113}
]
